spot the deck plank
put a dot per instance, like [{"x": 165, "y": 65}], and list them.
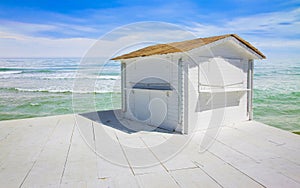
[
  {"x": 81, "y": 163},
  {"x": 140, "y": 158},
  {"x": 257, "y": 169},
  {"x": 193, "y": 177},
  {"x": 24, "y": 149},
  {"x": 261, "y": 143},
  {"x": 52, "y": 158},
  {"x": 169, "y": 154},
  {"x": 272, "y": 134},
  {"x": 111, "y": 161},
  {"x": 162, "y": 179},
  {"x": 224, "y": 173}
]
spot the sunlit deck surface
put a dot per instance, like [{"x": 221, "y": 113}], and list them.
[{"x": 51, "y": 152}]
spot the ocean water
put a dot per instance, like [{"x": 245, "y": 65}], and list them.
[
  {"x": 34, "y": 87},
  {"x": 31, "y": 87},
  {"x": 277, "y": 94}
]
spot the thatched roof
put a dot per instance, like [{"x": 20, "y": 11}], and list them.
[{"x": 183, "y": 47}]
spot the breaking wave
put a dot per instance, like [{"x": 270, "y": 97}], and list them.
[{"x": 59, "y": 91}]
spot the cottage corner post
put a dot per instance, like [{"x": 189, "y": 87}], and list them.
[
  {"x": 186, "y": 127},
  {"x": 123, "y": 86},
  {"x": 180, "y": 96},
  {"x": 250, "y": 87}
]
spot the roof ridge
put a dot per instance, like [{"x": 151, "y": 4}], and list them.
[{"x": 181, "y": 46}]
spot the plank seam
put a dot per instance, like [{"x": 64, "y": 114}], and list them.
[
  {"x": 208, "y": 174},
  {"x": 154, "y": 155},
  {"x": 236, "y": 169},
  {"x": 65, "y": 164},
  {"x": 27, "y": 174},
  {"x": 123, "y": 151}
]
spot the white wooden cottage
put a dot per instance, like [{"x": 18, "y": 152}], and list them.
[{"x": 189, "y": 85}]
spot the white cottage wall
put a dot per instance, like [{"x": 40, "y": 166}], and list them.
[
  {"x": 143, "y": 104},
  {"x": 221, "y": 65}
]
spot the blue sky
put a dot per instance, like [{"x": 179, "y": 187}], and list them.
[{"x": 68, "y": 28}]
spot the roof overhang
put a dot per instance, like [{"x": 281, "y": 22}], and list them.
[{"x": 238, "y": 44}]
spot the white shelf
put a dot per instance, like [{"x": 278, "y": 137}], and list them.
[{"x": 223, "y": 90}]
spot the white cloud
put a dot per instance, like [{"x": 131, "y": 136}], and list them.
[
  {"x": 276, "y": 26},
  {"x": 47, "y": 30},
  {"x": 24, "y": 28},
  {"x": 15, "y": 45},
  {"x": 277, "y": 34}
]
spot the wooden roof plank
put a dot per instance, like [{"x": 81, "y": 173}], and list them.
[{"x": 183, "y": 46}]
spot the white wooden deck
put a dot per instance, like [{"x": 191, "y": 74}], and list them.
[{"x": 51, "y": 152}]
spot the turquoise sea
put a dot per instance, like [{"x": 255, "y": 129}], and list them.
[
  {"x": 31, "y": 87},
  {"x": 277, "y": 94}
]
